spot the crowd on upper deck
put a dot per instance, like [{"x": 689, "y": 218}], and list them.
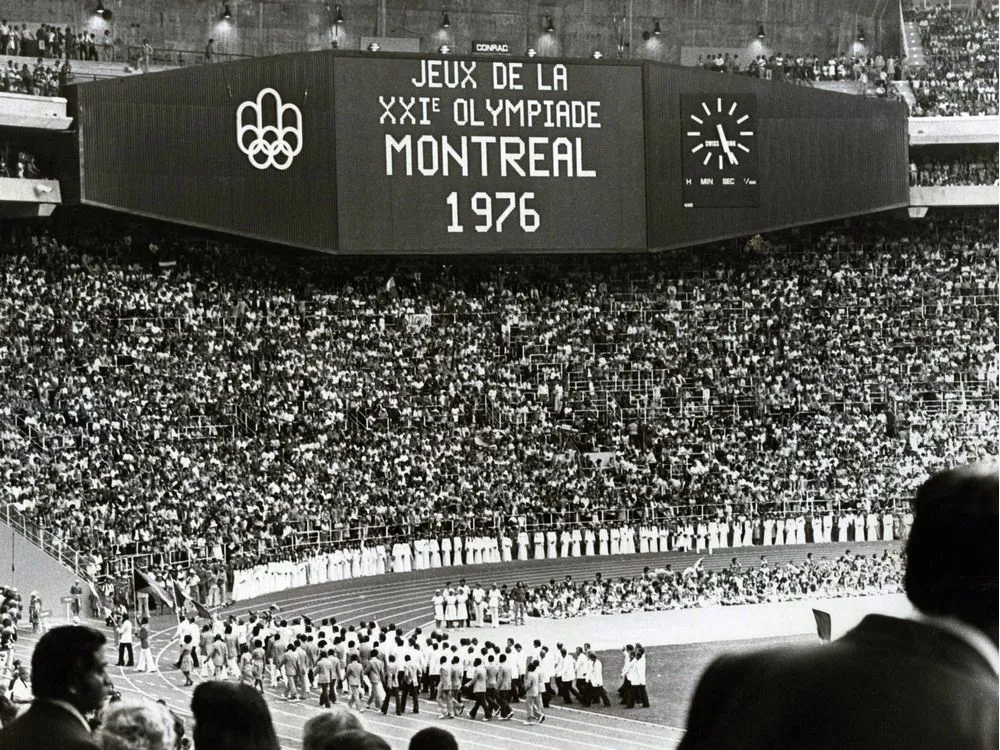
[
  {"x": 153, "y": 390},
  {"x": 974, "y": 166},
  {"x": 960, "y": 50}
]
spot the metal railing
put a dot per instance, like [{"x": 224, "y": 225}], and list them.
[
  {"x": 45, "y": 541},
  {"x": 178, "y": 57}
]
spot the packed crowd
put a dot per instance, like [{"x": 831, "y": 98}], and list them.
[
  {"x": 960, "y": 49},
  {"x": 869, "y": 70},
  {"x": 330, "y": 401},
  {"x": 976, "y": 167},
  {"x": 696, "y": 586},
  {"x": 19, "y": 163},
  {"x": 55, "y": 42},
  {"x": 41, "y": 79}
]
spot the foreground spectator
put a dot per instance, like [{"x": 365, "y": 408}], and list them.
[
  {"x": 358, "y": 739},
  {"x": 68, "y": 680},
  {"x": 927, "y": 682},
  {"x": 138, "y": 726},
  {"x": 231, "y": 717},
  {"x": 322, "y": 732},
  {"x": 433, "y": 738},
  {"x": 20, "y": 689}
]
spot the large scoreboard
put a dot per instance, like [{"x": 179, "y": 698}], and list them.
[{"x": 372, "y": 153}]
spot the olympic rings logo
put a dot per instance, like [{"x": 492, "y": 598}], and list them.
[{"x": 272, "y": 145}]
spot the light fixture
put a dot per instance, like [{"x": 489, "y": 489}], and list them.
[
  {"x": 226, "y": 14},
  {"x": 549, "y": 24},
  {"x": 444, "y": 49},
  {"x": 532, "y": 52},
  {"x": 861, "y": 34},
  {"x": 445, "y": 21},
  {"x": 374, "y": 47},
  {"x": 760, "y": 30},
  {"x": 656, "y": 28},
  {"x": 340, "y": 15},
  {"x": 100, "y": 8},
  {"x": 597, "y": 54}
]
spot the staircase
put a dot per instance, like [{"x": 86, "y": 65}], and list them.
[
  {"x": 913, "y": 48},
  {"x": 38, "y": 562},
  {"x": 905, "y": 90}
]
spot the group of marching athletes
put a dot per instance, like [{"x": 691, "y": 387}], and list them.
[{"x": 376, "y": 667}]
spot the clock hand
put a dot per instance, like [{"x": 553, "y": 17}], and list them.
[{"x": 725, "y": 143}]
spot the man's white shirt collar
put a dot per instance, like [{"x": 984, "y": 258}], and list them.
[{"x": 970, "y": 635}]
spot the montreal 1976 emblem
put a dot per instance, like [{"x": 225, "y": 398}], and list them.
[{"x": 268, "y": 131}]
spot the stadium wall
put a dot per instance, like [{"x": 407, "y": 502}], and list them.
[
  {"x": 26, "y": 567},
  {"x": 260, "y": 27}
]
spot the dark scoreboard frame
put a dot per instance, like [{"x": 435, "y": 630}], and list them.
[{"x": 161, "y": 146}]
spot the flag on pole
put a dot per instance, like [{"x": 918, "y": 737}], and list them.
[
  {"x": 182, "y": 599},
  {"x": 145, "y": 582},
  {"x": 823, "y": 624}
]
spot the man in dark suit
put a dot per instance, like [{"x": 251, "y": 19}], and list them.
[
  {"x": 68, "y": 680},
  {"x": 926, "y": 682}
]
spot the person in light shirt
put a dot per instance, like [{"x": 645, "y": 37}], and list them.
[
  {"x": 124, "y": 630},
  {"x": 493, "y": 599},
  {"x": 595, "y": 678}
]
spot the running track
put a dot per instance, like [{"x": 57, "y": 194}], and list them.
[{"x": 406, "y": 601}]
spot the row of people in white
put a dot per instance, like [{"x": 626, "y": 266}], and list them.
[
  {"x": 339, "y": 565},
  {"x": 452, "y": 551},
  {"x": 711, "y": 535},
  {"x": 700, "y": 536}
]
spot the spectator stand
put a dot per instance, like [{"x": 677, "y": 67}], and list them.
[
  {"x": 129, "y": 361},
  {"x": 958, "y": 74}
]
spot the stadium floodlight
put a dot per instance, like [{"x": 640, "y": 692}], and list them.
[
  {"x": 550, "y": 25},
  {"x": 445, "y": 21},
  {"x": 656, "y": 28},
  {"x": 100, "y": 8},
  {"x": 760, "y": 30},
  {"x": 227, "y": 15},
  {"x": 340, "y": 15}
]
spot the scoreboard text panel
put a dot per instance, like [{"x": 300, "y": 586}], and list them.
[{"x": 457, "y": 155}]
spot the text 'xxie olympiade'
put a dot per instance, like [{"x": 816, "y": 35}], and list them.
[{"x": 482, "y": 120}]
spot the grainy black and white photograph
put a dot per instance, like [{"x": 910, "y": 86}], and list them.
[{"x": 499, "y": 374}]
